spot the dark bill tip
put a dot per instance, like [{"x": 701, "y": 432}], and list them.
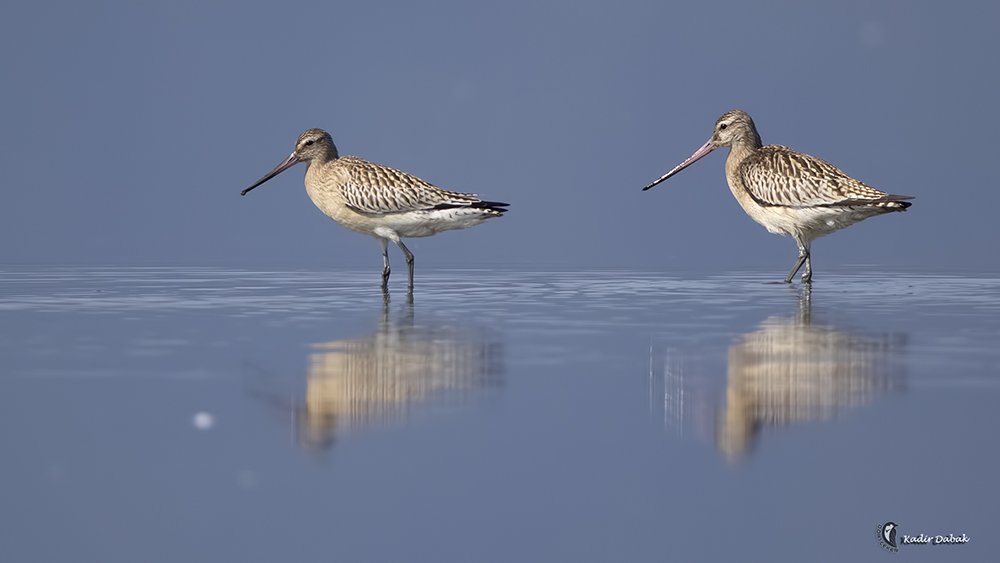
[
  {"x": 292, "y": 160},
  {"x": 705, "y": 149}
]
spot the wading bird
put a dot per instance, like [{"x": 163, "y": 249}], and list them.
[
  {"x": 788, "y": 192},
  {"x": 379, "y": 201}
]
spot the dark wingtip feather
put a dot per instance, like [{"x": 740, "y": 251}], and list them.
[
  {"x": 888, "y": 202},
  {"x": 489, "y": 205}
]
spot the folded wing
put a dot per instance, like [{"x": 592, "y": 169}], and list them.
[
  {"x": 779, "y": 176},
  {"x": 373, "y": 189}
]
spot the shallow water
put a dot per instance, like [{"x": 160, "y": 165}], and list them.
[{"x": 155, "y": 414}]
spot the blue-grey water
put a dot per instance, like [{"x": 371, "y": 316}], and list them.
[{"x": 171, "y": 414}]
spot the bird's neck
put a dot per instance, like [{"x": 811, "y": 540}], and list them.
[
  {"x": 329, "y": 155},
  {"x": 738, "y": 152},
  {"x": 316, "y": 163}
]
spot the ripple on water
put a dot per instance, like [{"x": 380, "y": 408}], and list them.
[{"x": 244, "y": 291}]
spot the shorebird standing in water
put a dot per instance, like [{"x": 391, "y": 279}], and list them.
[
  {"x": 788, "y": 192},
  {"x": 379, "y": 201}
]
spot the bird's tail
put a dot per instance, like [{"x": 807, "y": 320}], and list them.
[
  {"x": 495, "y": 206},
  {"x": 894, "y": 202}
]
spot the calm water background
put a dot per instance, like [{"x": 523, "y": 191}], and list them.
[{"x": 170, "y": 414}]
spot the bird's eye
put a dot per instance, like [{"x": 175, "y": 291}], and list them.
[
  {"x": 309, "y": 142},
  {"x": 723, "y": 126}
]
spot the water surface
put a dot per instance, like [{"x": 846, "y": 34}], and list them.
[{"x": 170, "y": 414}]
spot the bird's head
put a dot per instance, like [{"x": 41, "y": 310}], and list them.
[
  {"x": 735, "y": 128},
  {"x": 315, "y": 145}
]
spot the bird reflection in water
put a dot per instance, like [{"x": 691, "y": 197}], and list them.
[
  {"x": 786, "y": 372},
  {"x": 380, "y": 379}
]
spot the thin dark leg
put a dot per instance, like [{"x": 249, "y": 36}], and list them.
[
  {"x": 409, "y": 263},
  {"x": 803, "y": 259},
  {"x": 385, "y": 260},
  {"x": 795, "y": 269},
  {"x": 807, "y": 274}
]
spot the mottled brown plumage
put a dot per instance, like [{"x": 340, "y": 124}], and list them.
[
  {"x": 788, "y": 192},
  {"x": 379, "y": 201},
  {"x": 375, "y": 189}
]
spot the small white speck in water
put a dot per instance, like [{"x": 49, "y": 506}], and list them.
[{"x": 203, "y": 421}]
